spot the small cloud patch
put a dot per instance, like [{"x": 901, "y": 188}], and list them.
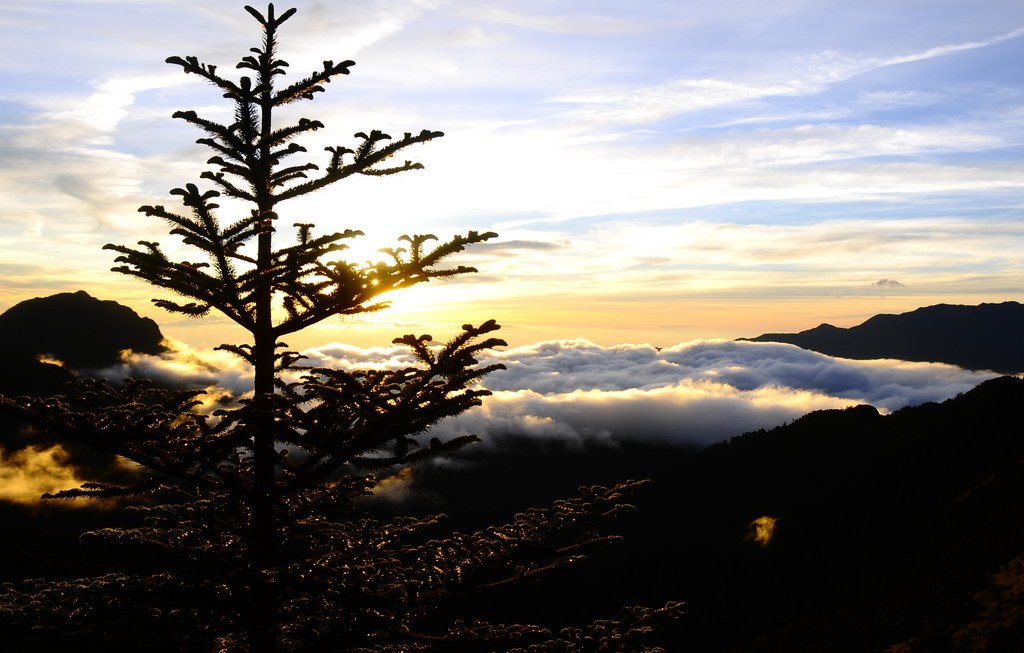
[
  {"x": 887, "y": 283},
  {"x": 396, "y": 488},
  {"x": 29, "y": 473},
  {"x": 762, "y": 530}
]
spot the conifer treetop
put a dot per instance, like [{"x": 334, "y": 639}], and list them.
[{"x": 250, "y": 166}]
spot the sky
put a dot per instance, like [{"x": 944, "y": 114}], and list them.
[{"x": 656, "y": 171}]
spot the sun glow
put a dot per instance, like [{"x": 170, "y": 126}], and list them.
[{"x": 422, "y": 299}]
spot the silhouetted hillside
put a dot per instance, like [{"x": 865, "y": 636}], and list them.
[
  {"x": 80, "y": 331},
  {"x": 983, "y": 337},
  {"x": 886, "y": 525}
]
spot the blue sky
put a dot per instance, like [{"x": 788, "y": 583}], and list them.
[{"x": 658, "y": 171}]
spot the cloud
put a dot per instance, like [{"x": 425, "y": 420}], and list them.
[
  {"x": 812, "y": 75},
  {"x": 762, "y": 530},
  {"x": 943, "y": 50},
  {"x": 571, "y": 391},
  {"x": 888, "y": 283},
  {"x": 694, "y": 393},
  {"x": 583, "y": 22},
  {"x": 28, "y": 473},
  {"x": 395, "y": 489},
  {"x": 505, "y": 246},
  {"x": 653, "y": 265},
  {"x": 652, "y": 103},
  {"x": 221, "y": 374},
  {"x": 686, "y": 413},
  {"x": 98, "y": 114},
  {"x": 833, "y": 142}
]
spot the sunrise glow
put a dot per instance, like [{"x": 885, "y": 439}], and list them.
[{"x": 655, "y": 172}]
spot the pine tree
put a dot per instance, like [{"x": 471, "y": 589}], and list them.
[{"x": 249, "y": 529}]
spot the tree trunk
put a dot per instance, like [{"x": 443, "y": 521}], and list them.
[{"x": 263, "y": 537}]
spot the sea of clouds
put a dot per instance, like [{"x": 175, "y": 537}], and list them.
[
  {"x": 694, "y": 393},
  {"x": 575, "y": 391}
]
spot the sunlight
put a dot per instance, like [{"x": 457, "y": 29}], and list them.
[
  {"x": 436, "y": 300},
  {"x": 416, "y": 299}
]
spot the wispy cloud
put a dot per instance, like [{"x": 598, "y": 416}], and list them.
[
  {"x": 700, "y": 253},
  {"x": 888, "y": 283},
  {"x": 561, "y": 22},
  {"x": 811, "y": 74},
  {"x": 97, "y": 115},
  {"x": 944, "y": 50}
]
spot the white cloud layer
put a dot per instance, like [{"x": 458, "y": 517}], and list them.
[{"x": 693, "y": 393}]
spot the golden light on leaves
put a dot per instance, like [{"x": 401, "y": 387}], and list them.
[{"x": 761, "y": 530}]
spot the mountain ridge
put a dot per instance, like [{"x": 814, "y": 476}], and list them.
[
  {"x": 77, "y": 331},
  {"x": 980, "y": 337}
]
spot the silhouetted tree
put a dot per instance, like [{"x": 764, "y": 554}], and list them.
[{"x": 252, "y": 535}]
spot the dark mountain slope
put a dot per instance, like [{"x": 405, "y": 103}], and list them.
[
  {"x": 83, "y": 333},
  {"x": 77, "y": 329},
  {"x": 983, "y": 337},
  {"x": 886, "y": 525}
]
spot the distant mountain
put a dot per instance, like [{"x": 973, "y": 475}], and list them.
[
  {"x": 983, "y": 337},
  {"x": 80, "y": 331}
]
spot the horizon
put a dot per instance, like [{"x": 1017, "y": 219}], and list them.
[
  {"x": 565, "y": 393},
  {"x": 655, "y": 174},
  {"x": 572, "y": 391}
]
